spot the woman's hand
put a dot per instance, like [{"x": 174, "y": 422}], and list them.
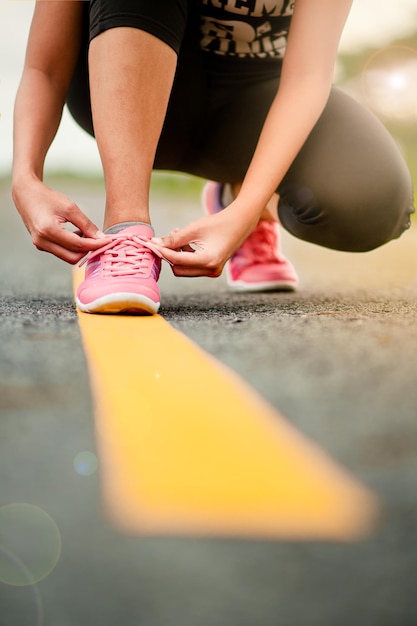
[
  {"x": 45, "y": 211},
  {"x": 203, "y": 247}
]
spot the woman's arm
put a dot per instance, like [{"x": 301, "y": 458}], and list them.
[
  {"x": 52, "y": 50},
  {"x": 51, "y": 54},
  {"x": 306, "y": 80}
]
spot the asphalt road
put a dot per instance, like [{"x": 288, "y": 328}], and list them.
[{"x": 338, "y": 359}]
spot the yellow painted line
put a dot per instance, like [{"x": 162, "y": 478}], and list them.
[{"x": 186, "y": 447}]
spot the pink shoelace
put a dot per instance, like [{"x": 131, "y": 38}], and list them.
[
  {"x": 125, "y": 255},
  {"x": 260, "y": 247}
]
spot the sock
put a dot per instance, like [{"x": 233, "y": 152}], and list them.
[{"x": 113, "y": 230}]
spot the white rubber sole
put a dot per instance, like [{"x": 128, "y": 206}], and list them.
[
  {"x": 242, "y": 286},
  {"x": 114, "y": 303},
  {"x": 254, "y": 287}
]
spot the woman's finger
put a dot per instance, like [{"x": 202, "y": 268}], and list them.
[
  {"x": 178, "y": 238},
  {"x": 75, "y": 216},
  {"x": 66, "y": 239},
  {"x": 183, "y": 258},
  {"x": 74, "y": 242},
  {"x": 62, "y": 253},
  {"x": 192, "y": 272}
]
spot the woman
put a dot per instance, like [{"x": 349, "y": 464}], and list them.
[{"x": 237, "y": 91}]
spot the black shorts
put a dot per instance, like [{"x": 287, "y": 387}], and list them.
[
  {"x": 348, "y": 188},
  {"x": 166, "y": 19}
]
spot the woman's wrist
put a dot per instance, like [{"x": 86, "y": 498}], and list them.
[
  {"x": 249, "y": 206},
  {"x": 21, "y": 179},
  {"x": 24, "y": 176}
]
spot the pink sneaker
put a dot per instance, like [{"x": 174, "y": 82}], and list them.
[
  {"x": 122, "y": 276},
  {"x": 257, "y": 265}
]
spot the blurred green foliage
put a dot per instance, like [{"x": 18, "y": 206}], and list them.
[{"x": 403, "y": 131}]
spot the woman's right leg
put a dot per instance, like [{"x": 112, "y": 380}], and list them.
[
  {"x": 131, "y": 71},
  {"x": 131, "y": 75},
  {"x": 132, "y": 66},
  {"x": 122, "y": 95},
  {"x": 349, "y": 188}
]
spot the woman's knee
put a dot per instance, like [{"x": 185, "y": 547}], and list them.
[
  {"x": 164, "y": 19},
  {"x": 349, "y": 221},
  {"x": 349, "y": 188}
]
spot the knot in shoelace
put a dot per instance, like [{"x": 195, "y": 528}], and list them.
[
  {"x": 260, "y": 246},
  {"x": 126, "y": 254}
]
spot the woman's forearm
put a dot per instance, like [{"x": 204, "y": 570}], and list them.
[
  {"x": 52, "y": 50},
  {"x": 44, "y": 211},
  {"x": 292, "y": 116},
  {"x": 306, "y": 80},
  {"x": 38, "y": 111}
]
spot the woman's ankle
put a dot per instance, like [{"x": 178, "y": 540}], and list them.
[{"x": 123, "y": 217}]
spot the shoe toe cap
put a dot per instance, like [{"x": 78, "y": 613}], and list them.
[{"x": 92, "y": 290}]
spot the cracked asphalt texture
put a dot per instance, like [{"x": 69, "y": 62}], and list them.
[{"x": 338, "y": 359}]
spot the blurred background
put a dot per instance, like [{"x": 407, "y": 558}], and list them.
[
  {"x": 344, "y": 374},
  {"x": 377, "y": 65}
]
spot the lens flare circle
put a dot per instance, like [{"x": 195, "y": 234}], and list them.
[
  {"x": 388, "y": 82},
  {"x": 31, "y": 544},
  {"x": 18, "y": 609},
  {"x": 85, "y": 463},
  {"x": 398, "y": 81}
]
